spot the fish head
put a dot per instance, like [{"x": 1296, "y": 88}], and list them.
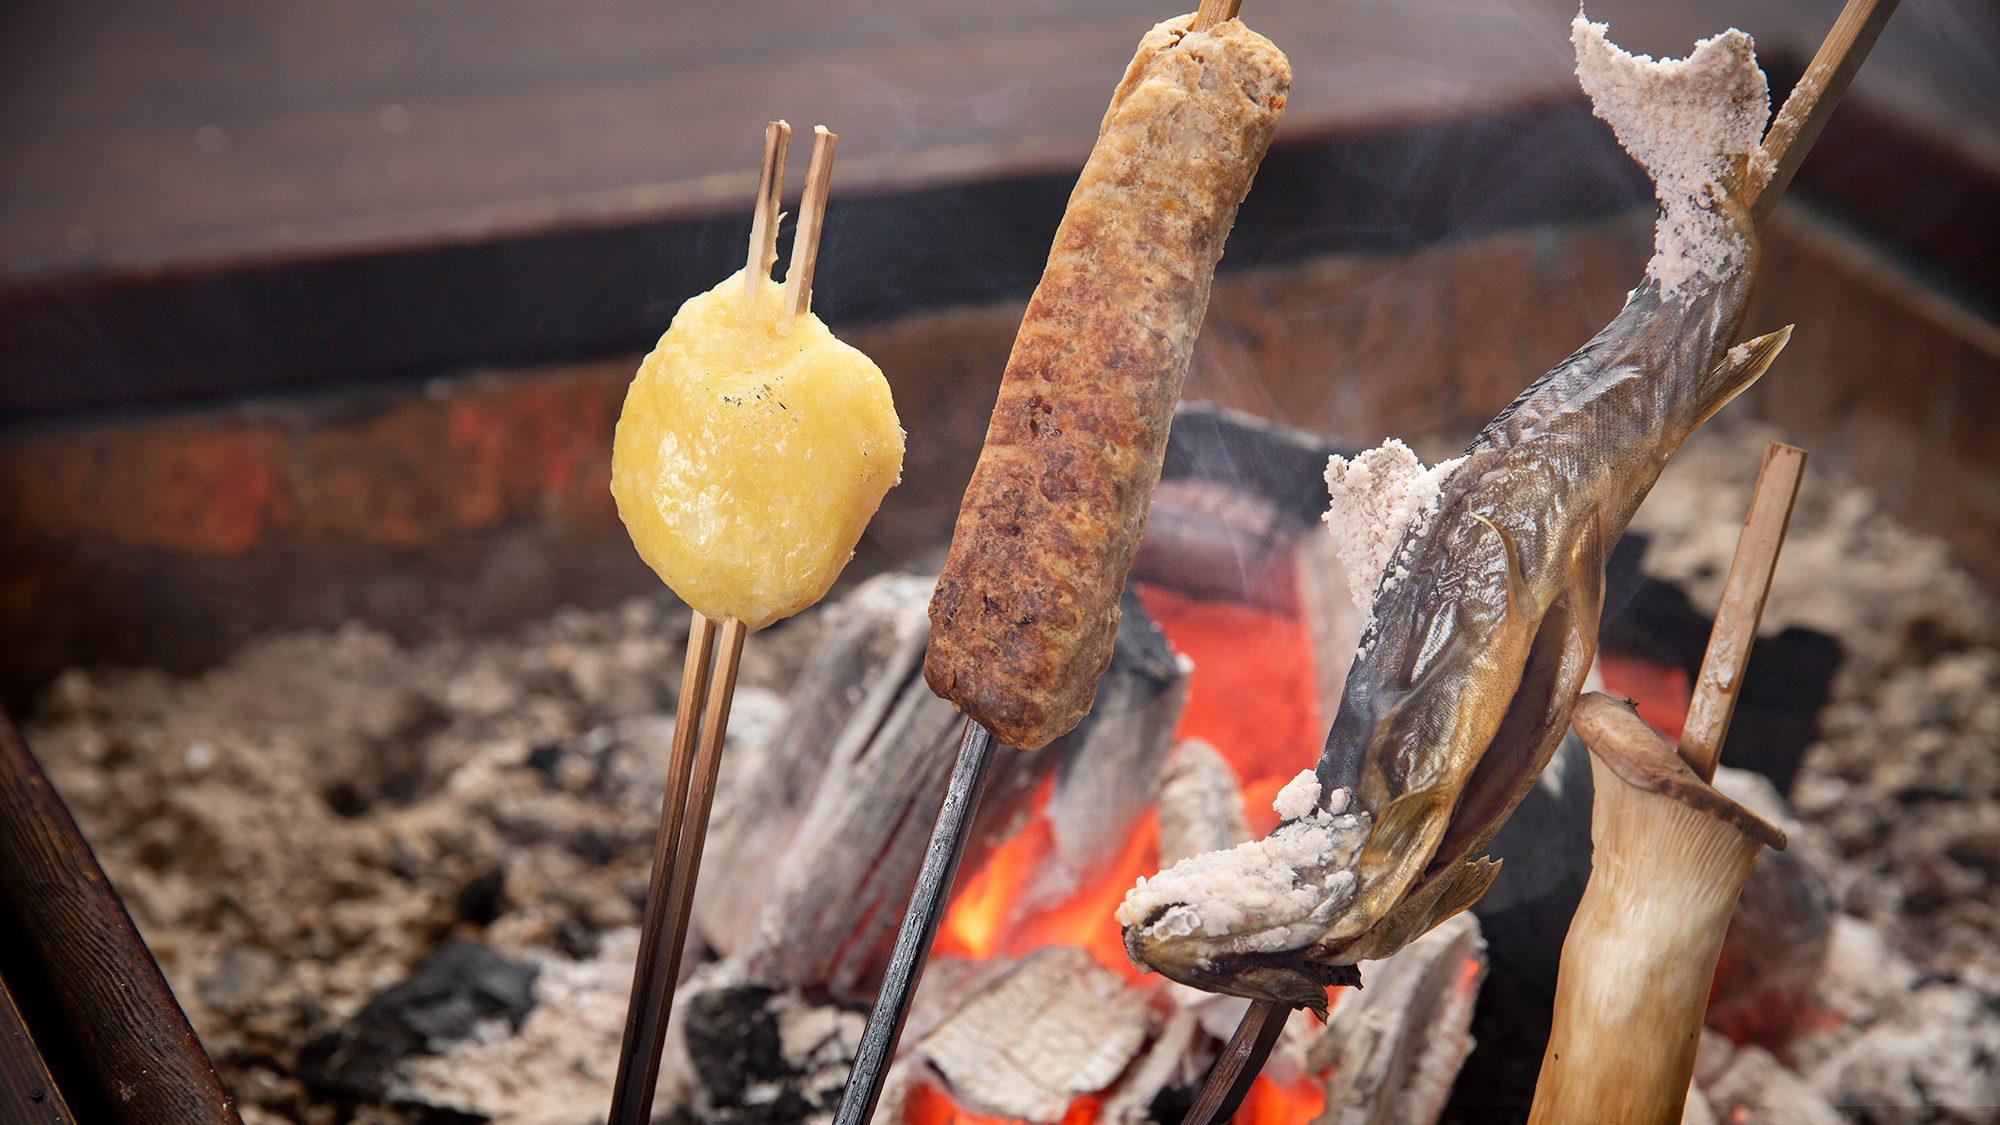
[{"x": 1233, "y": 921}]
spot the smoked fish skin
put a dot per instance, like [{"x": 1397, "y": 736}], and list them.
[{"x": 1027, "y": 604}]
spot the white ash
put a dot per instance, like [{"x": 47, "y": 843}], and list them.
[
  {"x": 1376, "y": 495},
  {"x": 1279, "y": 885},
  {"x": 1200, "y": 805},
  {"x": 295, "y": 830},
  {"x": 1691, "y": 122}
]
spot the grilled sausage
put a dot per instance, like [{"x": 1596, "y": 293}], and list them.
[{"x": 1027, "y": 606}]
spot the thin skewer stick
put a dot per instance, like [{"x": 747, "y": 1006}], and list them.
[
  {"x": 1242, "y": 1058},
  {"x": 700, "y": 725},
  {"x": 659, "y": 955},
  {"x": 1797, "y": 125},
  {"x": 919, "y": 926},
  {"x": 812, "y": 216},
  {"x": 1213, "y": 12},
  {"x": 764, "y": 221},
  {"x": 1742, "y": 609}
]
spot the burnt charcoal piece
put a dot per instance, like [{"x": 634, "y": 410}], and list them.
[
  {"x": 733, "y": 1042},
  {"x": 461, "y": 985},
  {"x": 484, "y": 898},
  {"x": 544, "y": 760}
]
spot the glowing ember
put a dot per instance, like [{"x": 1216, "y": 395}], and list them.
[
  {"x": 928, "y": 1105},
  {"x": 987, "y": 918},
  {"x": 1660, "y": 693},
  {"x": 1253, "y": 697},
  {"x": 1270, "y": 1103}
]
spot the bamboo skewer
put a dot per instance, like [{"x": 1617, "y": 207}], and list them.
[
  {"x": 1213, "y": 12},
  {"x": 658, "y": 965},
  {"x": 702, "y": 720},
  {"x": 812, "y": 216},
  {"x": 1805, "y": 112},
  {"x": 1742, "y": 609},
  {"x": 764, "y": 222}
]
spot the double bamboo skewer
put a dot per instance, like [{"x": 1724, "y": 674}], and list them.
[{"x": 702, "y": 720}]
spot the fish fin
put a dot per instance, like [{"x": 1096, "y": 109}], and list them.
[
  {"x": 1473, "y": 879},
  {"x": 1402, "y": 823},
  {"x": 1586, "y": 592},
  {"x": 1740, "y": 367},
  {"x": 1519, "y": 604}
]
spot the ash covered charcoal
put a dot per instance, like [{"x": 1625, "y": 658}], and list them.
[
  {"x": 451, "y": 995},
  {"x": 765, "y": 1056}
]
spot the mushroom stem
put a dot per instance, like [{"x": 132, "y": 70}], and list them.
[{"x": 1669, "y": 857}]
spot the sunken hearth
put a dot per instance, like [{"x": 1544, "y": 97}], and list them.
[{"x": 399, "y": 883}]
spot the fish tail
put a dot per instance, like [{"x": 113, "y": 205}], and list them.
[{"x": 1740, "y": 367}]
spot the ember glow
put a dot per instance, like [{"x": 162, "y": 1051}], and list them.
[
  {"x": 1252, "y": 697},
  {"x": 1660, "y": 693}
]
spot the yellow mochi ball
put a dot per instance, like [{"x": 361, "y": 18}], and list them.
[{"x": 752, "y": 451}]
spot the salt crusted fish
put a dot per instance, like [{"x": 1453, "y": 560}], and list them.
[{"x": 1484, "y": 621}]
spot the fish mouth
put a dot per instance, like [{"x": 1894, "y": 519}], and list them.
[{"x": 1288, "y": 977}]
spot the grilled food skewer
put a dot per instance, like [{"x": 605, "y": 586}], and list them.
[
  {"x": 1669, "y": 858},
  {"x": 1026, "y": 608},
  {"x": 702, "y": 721}
]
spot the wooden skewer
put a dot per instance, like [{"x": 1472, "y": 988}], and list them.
[
  {"x": 700, "y": 726},
  {"x": 1213, "y": 12},
  {"x": 812, "y": 216},
  {"x": 1244, "y": 1056},
  {"x": 1742, "y": 609},
  {"x": 658, "y": 965},
  {"x": 702, "y": 720},
  {"x": 764, "y": 221},
  {"x": 1797, "y": 125},
  {"x": 919, "y": 926}
]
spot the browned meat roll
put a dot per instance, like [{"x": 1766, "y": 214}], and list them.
[{"x": 1025, "y": 611}]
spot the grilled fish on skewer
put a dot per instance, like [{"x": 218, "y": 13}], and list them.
[{"x": 1485, "y": 620}]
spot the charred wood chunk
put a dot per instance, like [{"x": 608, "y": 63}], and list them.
[
  {"x": 1108, "y": 771},
  {"x": 765, "y": 1056},
  {"x": 460, "y": 986}
]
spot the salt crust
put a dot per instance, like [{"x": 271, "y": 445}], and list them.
[
  {"x": 1268, "y": 887},
  {"x": 1686, "y": 120},
  {"x": 1376, "y": 494}
]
